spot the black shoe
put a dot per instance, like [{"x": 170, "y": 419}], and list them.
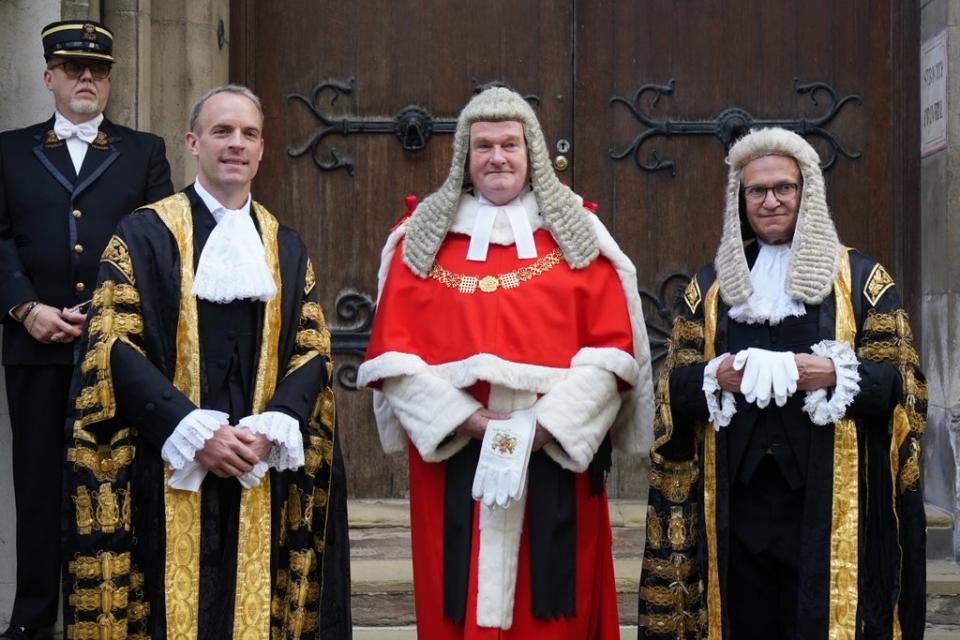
[{"x": 21, "y": 633}]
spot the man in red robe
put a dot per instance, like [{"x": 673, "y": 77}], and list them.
[{"x": 506, "y": 306}]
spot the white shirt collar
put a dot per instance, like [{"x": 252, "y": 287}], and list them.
[
  {"x": 217, "y": 209},
  {"x": 59, "y": 117}
]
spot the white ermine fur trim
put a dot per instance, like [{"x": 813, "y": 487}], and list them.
[
  {"x": 815, "y": 259},
  {"x": 633, "y": 428},
  {"x": 578, "y": 412},
  {"x": 561, "y": 209},
  {"x": 429, "y": 408},
  {"x": 823, "y": 411},
  {"x": 497, "y": 563}
]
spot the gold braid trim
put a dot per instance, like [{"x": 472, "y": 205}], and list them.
[
  {"x": 106, "y": 628},
  {"x": 117, "y": 254},
  {"x": 102, "y": 510},
  {"x": 103, "y": 566},
  {"x": 686, "y": 357},
  {"x": 103, "y": 462},
  {"x": 310, "y": 279},
  {"x": 901, "y": 354},
  {"x": 714, "y": 604},
  {"x": 910, "y": 475},
  {"x": 251, "y": 610},
  {"x": 110, "y": 324},
  {"x": 678, "y": 595},
  {"x": 106, "y": 598},
  {"x": 182, "y": 508},
  {"x": 678, "y": 567},
  {"x": 845, "y": 517},
  {"x": 314, "y": 340},
  {"x": 318, "y": 452},
  {"x": 312, "y": 312},
  {"x": 687, "y": 331},
  {"x": 490, "y": 283},
  {"x": 678, "y": 624},
  {"x": 654, "y": 530},
  {"x": 118, "y": 294},
  {"x": 674, "y": 480}
]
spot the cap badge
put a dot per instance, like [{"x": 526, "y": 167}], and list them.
[{"x": 89, "y": 32}]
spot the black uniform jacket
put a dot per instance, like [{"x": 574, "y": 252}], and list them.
[{"x": 54, "y": 224}]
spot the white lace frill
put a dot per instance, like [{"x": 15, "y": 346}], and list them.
[
  {"x": 821, "y": 409},
  {"x": 721, "y": 405},
  {"x": 232, "y": 265},
  {"x": 190, "y": 434},
  {"x": 284, "y": 432},
  {"x": 188, "y": 437},
  {"x": 769, "y": 301}
]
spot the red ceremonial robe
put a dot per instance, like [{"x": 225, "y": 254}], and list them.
[{"x": 528, "y": 334}]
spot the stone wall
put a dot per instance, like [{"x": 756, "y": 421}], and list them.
[
  {"x": 23, "y": 100},
  {"x": 940, "y": 309}
]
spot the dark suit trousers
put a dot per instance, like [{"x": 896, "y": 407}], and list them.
[
  {"x": 37, "y": 396},
  {"x": 763, "y": 574}
]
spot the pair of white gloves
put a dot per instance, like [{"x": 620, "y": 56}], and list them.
[
  {"x": 198, "y": 426},
  {"x": 766, "y": 375},
  {"x": 501, "y": 474}
]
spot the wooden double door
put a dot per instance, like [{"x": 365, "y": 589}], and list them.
[{"x": 637, "y": 99}]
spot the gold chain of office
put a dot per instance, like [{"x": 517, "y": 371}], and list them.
[{"x": 489, "y": 284}]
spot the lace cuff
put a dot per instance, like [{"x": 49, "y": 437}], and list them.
[
  {"x": 284, "y": 432},
  {"x": 721, "y": 405},
  {"x": 189, "y": 436},
  {"x": 824, "y": 411}
]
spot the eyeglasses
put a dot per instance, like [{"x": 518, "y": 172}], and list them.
[
  {"x": 74, "y": 69},
  {"x": 782, "y": 191}
]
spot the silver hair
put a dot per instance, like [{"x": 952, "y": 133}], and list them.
[{"x": 238, "y": 89}]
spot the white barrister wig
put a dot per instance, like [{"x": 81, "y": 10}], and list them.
[
  {"x": 563, "y": 213},
  {"x": 815, "y": 259}
]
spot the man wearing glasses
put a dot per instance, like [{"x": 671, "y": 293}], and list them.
[
  {"x": 64, "y": 185},
  {"x": 785, "y": 496}
]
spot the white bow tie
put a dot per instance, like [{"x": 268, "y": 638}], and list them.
[{"x": 86, "y": 131}]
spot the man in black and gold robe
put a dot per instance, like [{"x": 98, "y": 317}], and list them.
[
  {"x": 205, "y": 485},
  {"x": 785, "y": 497}
]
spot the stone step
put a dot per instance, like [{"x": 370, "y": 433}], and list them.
[
  {"x": 626, "y": 632},
  {"x": 382, "y": 573}
]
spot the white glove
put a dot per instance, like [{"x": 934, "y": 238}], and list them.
[
  {"x": 767, "y": 373},
  {"x": 504, "y": 455}
]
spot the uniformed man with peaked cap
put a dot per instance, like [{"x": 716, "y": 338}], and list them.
[{"x": 64, "y": 185}]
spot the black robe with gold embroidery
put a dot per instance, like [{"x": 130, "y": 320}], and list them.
[
  {"x": 862, "y": 550},
  {"x": 145, "y": 560}
]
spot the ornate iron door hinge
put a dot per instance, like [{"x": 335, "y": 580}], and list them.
[
  {"x": 729, "y": 125},
  {"x": 413, "y": 125}
]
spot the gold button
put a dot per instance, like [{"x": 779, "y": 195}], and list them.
[
  {"x": 78, "y": 248},
  {"x": 76, "y": 213},
  {"x": 79, "y": 287}
]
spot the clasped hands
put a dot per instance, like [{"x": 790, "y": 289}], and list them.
[
  {"x": 760, "y": 374},
  {"x": 233, "y": 451},
  {"x": 47, "y": 324}
]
